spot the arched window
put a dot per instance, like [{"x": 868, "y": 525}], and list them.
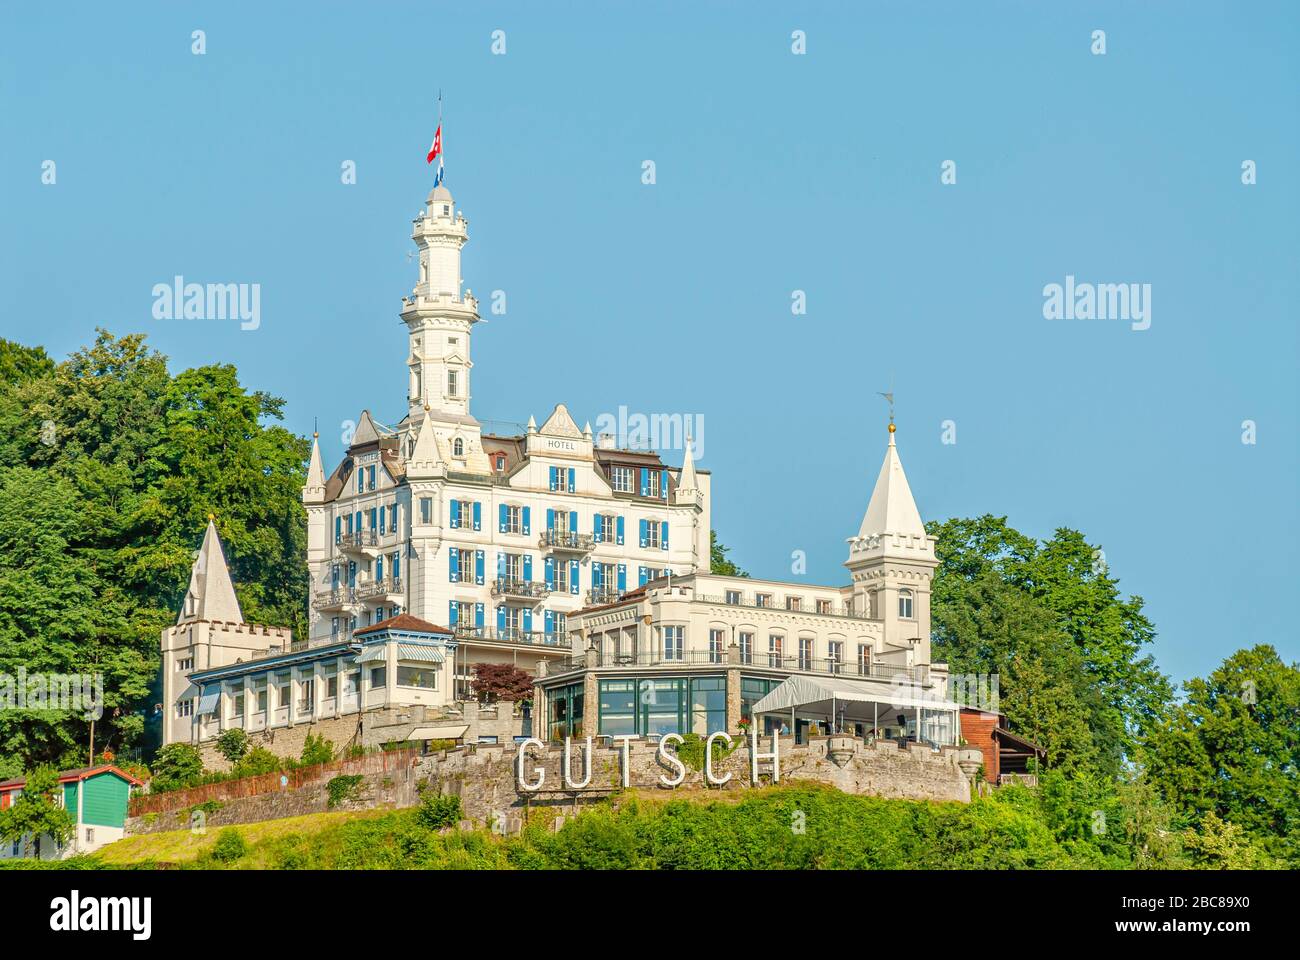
[
  {"x": 458, "y": 447},
  {"x": 905, "y": 604}
]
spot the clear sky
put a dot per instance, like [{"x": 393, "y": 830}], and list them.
[{"x": 775, "y": 172}]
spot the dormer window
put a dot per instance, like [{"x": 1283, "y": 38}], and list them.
[
  {"x": 905, "y": 604},
  {"x": 501, "y": 461},
  {"x": 458, "y": 447}
]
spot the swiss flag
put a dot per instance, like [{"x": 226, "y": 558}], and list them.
[{"x": 437, "y": 145}]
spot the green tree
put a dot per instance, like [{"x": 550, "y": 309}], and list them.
[
  {"x": 1232, "y": 750},
  {"x": 118, "y": 464},
  {"x": 718, "y": 560},
  {"x": 34, "y": 812},
  {"x": 1068, "y": 581}
]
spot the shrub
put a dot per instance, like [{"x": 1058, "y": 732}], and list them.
[
  {"x": 230, "y": 846},
  {"x": 343, "y": 787},
  {"x": 439, "y": 810},
  {"x": 233, "y": 744},
  {"x": 177, "y": 766},
  {"x": 691, "y": 750},
  {"x": 257, "y": 761},
  {"x": 317, "y": 750}
]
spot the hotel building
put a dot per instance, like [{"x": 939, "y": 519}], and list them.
[
  {"x": 447, "y": 545},
  {"x": 703, "y": 653}
]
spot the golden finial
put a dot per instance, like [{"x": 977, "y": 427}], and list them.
[
  {"x": 892, "y": 428},
  {"x": 211, "y": 517}
]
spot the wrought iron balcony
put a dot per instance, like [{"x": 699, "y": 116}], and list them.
[
  {"x": 357, "y": 540},
  {"x": 512, "y": 587},
  {"x": 566, "y": 541},
  {"x": 374, "y": 589},
  {"x": 510, "y": 635},
  {"x": 605, "y": 595},
  {"x": 335, "y": 599}
]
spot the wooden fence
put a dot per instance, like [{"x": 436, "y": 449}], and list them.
[{"x": 383, "y": 762}]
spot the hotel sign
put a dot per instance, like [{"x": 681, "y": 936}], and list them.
[{"x": 531, "y": 779}]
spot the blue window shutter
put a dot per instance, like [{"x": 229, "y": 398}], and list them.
[
  {"x": 501, "y": 518},
  {"x": 618, "y": 524},
  {"x": 597, "y": 577},
  {"x": 501, "y": 564},
  {"x": 663, "y": 536},
  {"x": 573, "y": 576},
  {"x": 573, "y": 521},
  {"x": 550, "y": 573},
  {"x": 622, "y": 577},
  {"x": 455, "y": 514},
  {"x": 478, "y": 567},
  {"x": 397, "y": 564},
  {"x": 595, "y": 526},
  {"x": 641, "y": 576},
  {"x": 550, "y": 519},
  {"x": 338, "y": 529},
  {"x": 451, "y": 613},
  {"x": 554, "y": 480},
  {"x": 528, "y": 620},
  {"x": 372, "y": 478},
  {"x": 528, "y": 520},
  {"x": 645, "y": 484},
  {"x": 379, "y": 568},
  {"x": 663, "y": 484},
  {"x": 478, "y": 614},
  {"x": 549, "y": 621},
  {"x": 501, "y": 616},
  {"x": 573, "y": 486},
  {"x": 644, "y": 531},
  {"x": 392, "y": 518},
  {"x": 478, "y": 515},
  {"x": 528, "y": 567},
  {"x": 453, "y": 556},
  {"x": 358, "y": 523}
]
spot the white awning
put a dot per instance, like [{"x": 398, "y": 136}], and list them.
[
  {"x": 377, "y": 651},
  {"x": 817, "y": 694},
  {"x": 420, "y": 653},
  {"x": 448, "y": 731},
  {"x": 208, "y": 702}
]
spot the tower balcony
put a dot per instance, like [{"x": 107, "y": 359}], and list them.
[
  {"x": 566, "y": 541},
  {"x": 338, "y": 599},
  {"x": 389, "y": 588},
  {"x": 510, "y": 587},
  {"x": 602, "y": 596}
]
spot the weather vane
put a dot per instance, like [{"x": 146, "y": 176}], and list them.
[{"x": 890, "y": 397}]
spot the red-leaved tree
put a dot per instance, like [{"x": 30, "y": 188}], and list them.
[{"x": 501, "y": 681}]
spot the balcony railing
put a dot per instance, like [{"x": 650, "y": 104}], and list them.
[
  {"x": 335, "y": 599},
  {"x": 566, "y": 541},
  {"x": 743, "y": 602},
  {"x": 511, "y": 587},
  {"x": 771, "y": 661},
  {"x": 510, "y": 635},
  {"x": 370, "y": 589},
  {"x": 598, "y": 597},
  {"x": 358, "y": 540}
]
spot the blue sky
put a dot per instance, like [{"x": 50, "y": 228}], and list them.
[{"x": 775, "y": 173}]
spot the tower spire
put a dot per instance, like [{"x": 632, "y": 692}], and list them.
[{"x": 211, "y": 595}]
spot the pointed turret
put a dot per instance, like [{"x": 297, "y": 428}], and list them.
[
  {"x": 688, "y": 485},
  {"x": 892, "y": 508},
  {"x": 892, "y": 561},
  {"x": 365, "y": 431},
  {"x": 425, "y": 460},
  {"x": 313, "y": 490},
  {"x": 211, "y": 595}
]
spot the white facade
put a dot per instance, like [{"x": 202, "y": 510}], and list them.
[{"x": 498, "y": 538}]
